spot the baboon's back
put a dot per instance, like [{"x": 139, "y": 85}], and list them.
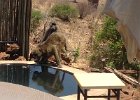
[{"x": 55, "y": 39}]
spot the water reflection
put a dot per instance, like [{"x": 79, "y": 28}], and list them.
[
  {"x": 15, "y": 74},
  {"x": 53, "y": 81},
  {"x": 49, "y": 81}
]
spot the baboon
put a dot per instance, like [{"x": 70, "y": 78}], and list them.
[
  {"x": 49, "y": 31},
  {"x": 54, "y": 45}
]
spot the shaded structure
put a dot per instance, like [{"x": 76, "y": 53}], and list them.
[{"x": 15, "y": 24}]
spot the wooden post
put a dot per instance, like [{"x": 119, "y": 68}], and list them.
[
  {"x": 15, "y": 23},
  {"x": 139, "y": 81}
]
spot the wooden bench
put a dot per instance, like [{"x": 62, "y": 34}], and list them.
[{"x": 108, "y": 81}]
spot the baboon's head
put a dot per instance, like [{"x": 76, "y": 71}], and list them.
[
  {"x": 36, "y": 54},
  {"x": 53, "y": 27}
]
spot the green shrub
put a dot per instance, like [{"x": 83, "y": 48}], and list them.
[
  {"x": 76, "y": 54},
  {"x": 109, "y": 45},
  {"x": 36, "y": 17},
  {"x": 63, "y": 11}
]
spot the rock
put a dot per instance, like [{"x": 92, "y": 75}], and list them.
[
  {"x": 21, "y": 58},
  {"x": 4, "y": 56}
]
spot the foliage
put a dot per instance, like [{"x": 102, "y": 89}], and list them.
[
  {"x": 109, "y": 46},
  {"x": 63, "y": 11},
  {"x": 35, "y": 19},
  {"x": 76, "y": 54}
]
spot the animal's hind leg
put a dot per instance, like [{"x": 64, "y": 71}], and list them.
[{"x": 57, "y": 56}]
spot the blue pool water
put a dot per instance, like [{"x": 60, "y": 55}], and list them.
[{"x": 53, "y": 81}]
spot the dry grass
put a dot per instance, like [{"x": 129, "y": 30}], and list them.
[{"x": 78, "y": 31}]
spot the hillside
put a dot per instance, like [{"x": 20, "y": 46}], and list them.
[{"x": 77, "y": 31}]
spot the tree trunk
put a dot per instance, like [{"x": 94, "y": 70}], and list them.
[
  {"x": 124, "y": 77},
  {"x": 75, "y": 1},
  {"x": 139, "y": 81}
]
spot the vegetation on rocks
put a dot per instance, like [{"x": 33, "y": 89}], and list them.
[
  {"x": 63, "y": 11},
  {"x": 76, "y": 54},
  {"x": 109, "y": 49},
  {"x": 36, "y": 17}
]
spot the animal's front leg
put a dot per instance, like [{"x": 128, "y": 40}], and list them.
[{"x": 57, "y": 56}]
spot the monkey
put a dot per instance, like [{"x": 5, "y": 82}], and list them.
[
  {"x": 54, "y": 45},
  {"x": 50, "y": 30}
]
